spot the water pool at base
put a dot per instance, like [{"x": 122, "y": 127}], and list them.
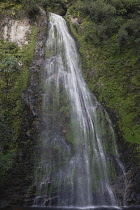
[{"x": 76, "y": 208}]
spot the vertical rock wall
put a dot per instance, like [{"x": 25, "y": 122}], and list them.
[
  {"x": 15, "y": 30},
  {"x": 23, "y": 169}
]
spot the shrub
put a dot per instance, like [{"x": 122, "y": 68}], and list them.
[
  {"x": 98, "y": 10},
  {"x": 130, "y": 31}
]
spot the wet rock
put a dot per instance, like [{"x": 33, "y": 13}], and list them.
[
  {"x": 51, "y": 201},
  {"x": 23, "y": 170},
  {"x": 127, "y": 189},
  {"x": 3, "y": 204},
  {"x": 132, "y": 189}
]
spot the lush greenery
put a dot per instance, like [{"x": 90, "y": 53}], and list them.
[
  {"x": 14, "y": 77},
  {"x": 31, "y": 7},
  {"x": 14, "y": 65},
  {"x": 109, "y": 34}
]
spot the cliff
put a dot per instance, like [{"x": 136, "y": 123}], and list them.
[
  {"x": 107, "y": 33},
  {"x": 108, "y": 36}
]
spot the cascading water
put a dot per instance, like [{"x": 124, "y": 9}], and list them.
[{"x": 77, "y": 145}]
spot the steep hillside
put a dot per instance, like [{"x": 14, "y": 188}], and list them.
[{"x": 108, "y": 33}]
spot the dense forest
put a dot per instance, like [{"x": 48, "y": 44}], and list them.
[{"x": 108, "y": 37}]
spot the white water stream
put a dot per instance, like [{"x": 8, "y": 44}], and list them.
[{"x": 78, "y": 143}]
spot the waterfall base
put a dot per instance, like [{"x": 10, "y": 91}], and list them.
[{"x": 77, "y": 208}]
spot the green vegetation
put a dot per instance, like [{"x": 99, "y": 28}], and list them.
[
  {"x": 109, "y": 35},
  {"x": 31, "y": 7},
  {"x": 108, "y": 32},
  {"x": 14, "y": 77}
]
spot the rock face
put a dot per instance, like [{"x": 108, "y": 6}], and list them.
[
  {"x": 22, "y": 174},
  {"x": 15, "y": 30},
  {"x": 132, "y": 194},
  {"x": 131, "y": 178},
  {"x": 127, "y": 188}
]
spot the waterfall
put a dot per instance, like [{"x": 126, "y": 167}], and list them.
[{"x": 76, "y": 164}]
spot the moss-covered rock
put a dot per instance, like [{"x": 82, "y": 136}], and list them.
[
  {"x": 110, "y": 68},
  {"x": 20, "y": 114}
]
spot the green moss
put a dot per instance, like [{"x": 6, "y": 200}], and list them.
[
  {"x": 108, "y": 72},
  {"x": 112, "y": 171},
  {"x": 6, "y": 161},
  {"x": 11, "y": 8},
  {"x": 111, "y": 71},
  {"x": 69, "y": 136},
  {"x": 14, "y": 79},
  {"x": 28, "y": 50}
]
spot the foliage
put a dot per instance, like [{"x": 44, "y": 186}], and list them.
[
  {"x": 111, "y": 16},
  {"x": 98, "y": 10},
  {"x": 109, "y": 43},
  {"x": 130, "y": 31},
  {"x": 9, "y": 72},
  {"x": 31, "y": 6},
  {"x": 14, "y": 77},
  {"x": 6, "y": 161},
  {"x": 8, "y": 65}
]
